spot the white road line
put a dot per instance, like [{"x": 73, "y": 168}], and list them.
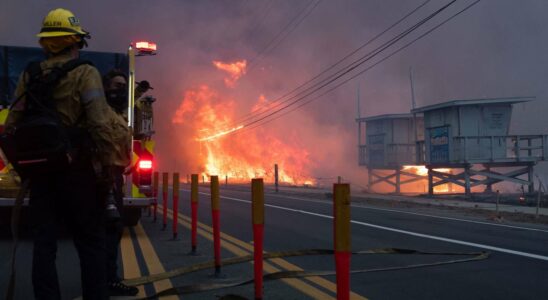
[
  {"x": 416, "y": 214},
  {"x": 427, "y": 236}
]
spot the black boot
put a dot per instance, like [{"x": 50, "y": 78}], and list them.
[{"x": 117, "y": 288}]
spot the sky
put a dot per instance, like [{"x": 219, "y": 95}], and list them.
[{"x": 498, "y": 48}]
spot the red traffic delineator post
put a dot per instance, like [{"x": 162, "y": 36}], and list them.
[
  {"x": 165, "y": 179},
  {"x": 257, "y": 208},
  {"x": 175, "y": 197},
  {"x": 194, "y": 212},
  {"x": 155, "y": 186},
  {"x": 341, "y": 226},
  {"x": 215, "y": 217}
]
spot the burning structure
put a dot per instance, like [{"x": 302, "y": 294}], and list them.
[
  {"x": 465, "y": 143},
  {"x": 473, "y": 136},
  {"x": 387, "y": 147}
]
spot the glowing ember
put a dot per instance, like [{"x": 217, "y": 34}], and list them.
[
  {"x": 242, "y": 156},
  {"x": 235, "y": 70}
]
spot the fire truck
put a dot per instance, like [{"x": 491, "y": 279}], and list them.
[{"x": 139, "y": 192}]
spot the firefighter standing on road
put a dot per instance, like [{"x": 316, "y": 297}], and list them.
[
  {"x": 71, "y": 195},
  {"x": 115, "y": 85}
]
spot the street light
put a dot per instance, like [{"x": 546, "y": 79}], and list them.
[{"x": 145, "y": 48}]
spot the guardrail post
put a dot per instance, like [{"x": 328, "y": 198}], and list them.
[
  {"x": 257, "y": 205},
  {"x": 155, "y": 187},
  {"x": 215, "y": 217},
  {"x": 175, "y": 197},
  {"x": 165, "y": 180},
  {"x": 341, "y": 202},
  {"x": 194, "y": 212}
]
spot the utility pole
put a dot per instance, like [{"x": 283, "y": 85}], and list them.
[
  {"x": 413, "y": 106},
  {"x": 359, "y": 122}
]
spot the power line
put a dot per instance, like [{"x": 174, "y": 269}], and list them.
[
  {"x": 350, "y": 67},
  {"x": 288, "y": 29},
  {"x": 262, "y": 18},
  {"x": 325, "y": 82},
  {"x": 276, "y": 102},
  {"x": 365, "y": 70}
]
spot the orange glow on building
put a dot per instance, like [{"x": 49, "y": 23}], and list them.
[{"x": 423, "y": 171}]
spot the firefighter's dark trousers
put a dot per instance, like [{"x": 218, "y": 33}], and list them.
[
  {"x": 70, "y": 198},
  {"x": 115, "y": 228}
]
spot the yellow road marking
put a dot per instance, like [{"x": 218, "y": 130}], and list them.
[
  {"x": 280, "y": 262},
  {"x": 152, "y": 260},
  {"x": 293, "y": 282},
  {"x": 129, "y": 260},
  {"x": 296, "y": 283}
]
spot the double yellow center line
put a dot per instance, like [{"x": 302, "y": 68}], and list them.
[{"x": 229, "y": 243}]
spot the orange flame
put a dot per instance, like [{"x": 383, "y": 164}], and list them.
[
  {"x": 423, "y": 171},
  {"x": 242, "y": 156},
  {"x": 235, "y": 70}
]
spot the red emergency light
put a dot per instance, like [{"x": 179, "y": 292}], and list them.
[
  {"x": 145, "y": 164},
  {"x": 145, "y": 46}
]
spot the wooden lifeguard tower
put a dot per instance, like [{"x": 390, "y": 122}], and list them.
[
  {"x": 473, "y": 135},
  {"x": 387, "y": 144}
]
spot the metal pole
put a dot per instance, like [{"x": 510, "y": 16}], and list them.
[
  {"x": 165, "y": 181},
  {"x": 276, "y": 176},
  {"x": 131, "y": 86},
  {"x": 359, "y": 110},
  {"x": 130, "y": 104},
  {"x": 531, "y": 180},
  {"x": 467, "y": 190},
  {"x": 413, "y": 104}
]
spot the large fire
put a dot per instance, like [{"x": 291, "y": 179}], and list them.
[{"x": 209, "y": 115}]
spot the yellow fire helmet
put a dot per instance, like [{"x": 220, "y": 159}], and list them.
[{"x": 61, "y": 22}]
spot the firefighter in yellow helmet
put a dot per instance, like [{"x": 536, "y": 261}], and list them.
[{"x": 70, "y": 193}]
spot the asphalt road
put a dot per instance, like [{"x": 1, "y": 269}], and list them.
[{"x": 517, "y": 267}]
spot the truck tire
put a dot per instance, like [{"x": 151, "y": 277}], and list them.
[{"x": 131, "y": 216}]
